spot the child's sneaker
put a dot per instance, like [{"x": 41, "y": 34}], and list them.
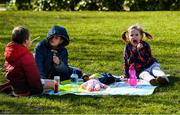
[
  {"x": 162, "y": 80},
  {"x": 153, "y": 82}
]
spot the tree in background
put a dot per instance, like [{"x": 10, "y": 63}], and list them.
[
  {"x": 19, "y": 5},
  {"x": 110, "y": 5},
  {"x": 175, "y": 5},
  {"x": 101, "y": 5},
  {"x": 152, "y": 5},
  {"x": 107, "y": 5}
]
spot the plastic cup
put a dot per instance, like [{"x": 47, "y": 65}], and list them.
[{"x": 56, "y": 84}]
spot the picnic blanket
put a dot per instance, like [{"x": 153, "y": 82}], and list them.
[{"x": 117, "y": 88}]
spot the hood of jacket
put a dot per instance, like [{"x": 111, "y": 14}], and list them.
[
  {"x": 14, "y": 51},
  {"x": 59, "y": 31}
]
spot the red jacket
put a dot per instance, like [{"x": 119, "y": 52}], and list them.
[{"x": 21, "y": 70}]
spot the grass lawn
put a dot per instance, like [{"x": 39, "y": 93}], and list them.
[{"x": 96, "y": 47}]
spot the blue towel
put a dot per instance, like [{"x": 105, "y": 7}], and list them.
[{"x": 117, "y": 88}]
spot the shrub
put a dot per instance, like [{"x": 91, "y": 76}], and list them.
[{"x": 19, "y": 5}]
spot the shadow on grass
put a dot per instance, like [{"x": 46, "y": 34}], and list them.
[
  {"x": 71, "y": 97},
  {"x": 27, "y": 107},
  {"x": 173, "y": 80}
]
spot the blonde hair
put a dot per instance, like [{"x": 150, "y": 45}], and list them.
[{"x": 124, "y": 35}]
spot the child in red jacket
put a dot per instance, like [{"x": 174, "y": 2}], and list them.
[{"x": 21, "y": 71}]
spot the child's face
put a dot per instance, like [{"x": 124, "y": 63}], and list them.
[
  {"x": 28, "y": 42},
  {"x": 134, "y": 37},
  {"x": 55, "y": 41}
]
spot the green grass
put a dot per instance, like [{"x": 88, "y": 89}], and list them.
[{"x": 95, "y": 47}]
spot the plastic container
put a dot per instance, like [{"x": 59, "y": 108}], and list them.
[
  {"x": 132, "y": 76},
  {"x": 56, "y": 84},
  {"x": 74, "y": 76}
]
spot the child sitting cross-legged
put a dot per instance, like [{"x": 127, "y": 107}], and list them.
[{"x": 138, "y": 52}]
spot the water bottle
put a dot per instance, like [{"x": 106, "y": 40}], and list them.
[
  {"x": 74, "y": 76},
  {"x": 132, "y": 76}
]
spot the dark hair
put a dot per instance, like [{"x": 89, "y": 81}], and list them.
[
  {"x": 137, "y": 27},
  {"x": 20, "y": 35}
]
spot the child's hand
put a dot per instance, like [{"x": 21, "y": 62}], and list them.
[
  {"x": 134, "y": 49},
  {"x": 49, "y": 84},
  {"x": 56, "y": 60},
  {"x": 139, "y": 46}
]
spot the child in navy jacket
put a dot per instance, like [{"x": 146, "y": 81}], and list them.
[{"x": 51, "y": 55}]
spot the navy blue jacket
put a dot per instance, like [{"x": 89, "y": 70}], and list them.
[{"x": 44, "y": 56}]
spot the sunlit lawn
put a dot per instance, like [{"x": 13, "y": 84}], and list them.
[{"x": 96, "y": 47}]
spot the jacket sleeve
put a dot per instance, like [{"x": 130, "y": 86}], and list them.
[
  {"x": 148, "y": 54},
  {"x": 64, "y": 56},
  {"x": 39, "y": 60},
  {"x": 126, "y": 63},
  {"x": 32, "y": 74}
]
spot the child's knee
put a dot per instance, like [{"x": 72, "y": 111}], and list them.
[
  {"x": 145, "y": 75},
  {"x": 156, "y": 71}
]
